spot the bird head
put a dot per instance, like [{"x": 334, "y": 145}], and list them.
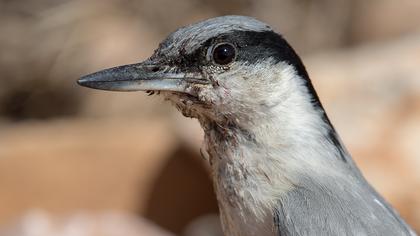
[{"x": 217, "y": 70}]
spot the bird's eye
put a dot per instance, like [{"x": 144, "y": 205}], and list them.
[{"x": 224, "y": 53}]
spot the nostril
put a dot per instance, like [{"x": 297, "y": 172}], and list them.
[{"x": 155, "y": 69}]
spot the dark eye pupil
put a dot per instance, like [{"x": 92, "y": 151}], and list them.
[{"x": 224, "y": 54}]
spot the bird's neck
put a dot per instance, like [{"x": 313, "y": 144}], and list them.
[{"x": 258, "y": 159}]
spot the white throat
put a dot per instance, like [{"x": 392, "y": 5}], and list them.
[{"x": 263, "y": 157}]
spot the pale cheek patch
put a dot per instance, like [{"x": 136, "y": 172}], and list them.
[{"x": 245, "y": 88}]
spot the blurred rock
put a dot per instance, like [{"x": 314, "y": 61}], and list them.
[
  {"x": 88, "y": 164},
  {"x": 372, "y": 95},
  {"x": 310, "y": 25},
  {"x": 383, "y": 20},
  {"x": 40, "y": 223},
  {"x": 47, "y": 45}
]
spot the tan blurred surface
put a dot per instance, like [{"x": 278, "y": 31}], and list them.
[
  {"x": 65, "y": 149},
  {"x": 372, "y": 95},
  {"x": 40, "y": 223},
  {"x": 75, "y": 164}
]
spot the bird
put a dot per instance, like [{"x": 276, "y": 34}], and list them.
[{"x": 277, "y": 163}]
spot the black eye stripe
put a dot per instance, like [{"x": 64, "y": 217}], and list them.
[{"x": 251, "y": 47}]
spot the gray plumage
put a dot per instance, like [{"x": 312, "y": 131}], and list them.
[{"x": 278, "y": 166}]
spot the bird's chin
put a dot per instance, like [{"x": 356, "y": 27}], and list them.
[{"x": 189, "y": 105}]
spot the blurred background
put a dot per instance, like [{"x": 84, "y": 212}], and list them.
[{"x": 75, "y": 161}]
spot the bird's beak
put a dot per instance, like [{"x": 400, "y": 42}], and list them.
[{"x": 140, "y": 77}]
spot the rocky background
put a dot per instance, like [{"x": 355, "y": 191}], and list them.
[{"x": 81, "y": 162}]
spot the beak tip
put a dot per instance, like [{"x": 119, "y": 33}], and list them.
[
  {"x": 81, "y": 82},
  {"x": 85, "y": 81},
  {"x": 94, "y": 81}
]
